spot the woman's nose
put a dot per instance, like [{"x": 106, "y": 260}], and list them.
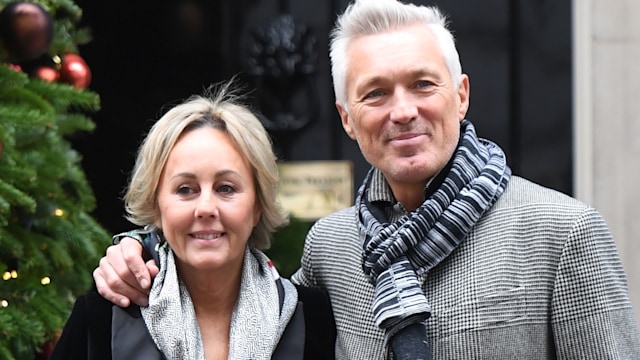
[{"x": 206, "y": 206}]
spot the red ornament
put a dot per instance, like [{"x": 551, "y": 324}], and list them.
[
  {"x": 46, "y": 73},
  {"x": 26, "y": 30},
  {"x": 15, "y": 67},
  {"x": 74, "y": 71}
]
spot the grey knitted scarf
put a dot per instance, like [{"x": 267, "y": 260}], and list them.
[
  {"x": 395, "y": 254},
  {"x": 257, "y": 322}
]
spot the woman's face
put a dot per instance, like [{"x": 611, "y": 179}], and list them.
[{"x": 207, "y": 201}]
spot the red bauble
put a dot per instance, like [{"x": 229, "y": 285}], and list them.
[
  {"x": 46, "y": 73},
  {"x": 74, "y": 71},
  {"x": 26, "y": 30},
  {"x": 15, "y": 67}
]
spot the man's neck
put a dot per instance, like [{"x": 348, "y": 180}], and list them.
[{"x": 413, "y": 195}]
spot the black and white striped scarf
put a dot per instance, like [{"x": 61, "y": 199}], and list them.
[{"x": 396, "y": 254}]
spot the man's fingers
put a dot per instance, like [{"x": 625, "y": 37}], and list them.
[
  {"x": 152, "y": 267},
  {"x": 132, "y": 255},
  {"x": 117, "y": 288},
  {"x": 105, "y": 291},
  {"x": 115, "y": 281},
  {"x": 116, "y": 271}
]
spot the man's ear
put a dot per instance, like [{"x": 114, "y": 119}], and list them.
[
  {"x": 344, "y": 117},
  {"x": 463, "y": 94}
]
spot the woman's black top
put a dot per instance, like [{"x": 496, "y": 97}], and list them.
[{"x": 87, "y": 334}]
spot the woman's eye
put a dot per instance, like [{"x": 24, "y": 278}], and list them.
[
  {"x": 226, "y": 189},
  {"x": 184, "y": 190}
]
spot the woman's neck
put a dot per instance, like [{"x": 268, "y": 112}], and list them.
[
  {"x": 212, "y": 291},
  {"x": 214, "y": 295}
]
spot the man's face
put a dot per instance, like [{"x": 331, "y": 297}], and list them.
[{"x": 404, "y": 111}]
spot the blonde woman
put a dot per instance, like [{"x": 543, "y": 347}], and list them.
[{"x": 204, "y": 189}]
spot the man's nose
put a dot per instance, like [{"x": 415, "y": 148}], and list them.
[{"x": 404, "y": 107}]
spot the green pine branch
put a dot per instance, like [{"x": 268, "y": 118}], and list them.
[{"x": 49, "y": 242}]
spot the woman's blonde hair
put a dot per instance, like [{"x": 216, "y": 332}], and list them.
[{"x": 218, "y": 108}]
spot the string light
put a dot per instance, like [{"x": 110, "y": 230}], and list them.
[
  {"x": 58, "y": 212},
  {"x": 9, "y": 275},
  {"x": 45, "y": 280},
  {"x": 4, "y": 303}
]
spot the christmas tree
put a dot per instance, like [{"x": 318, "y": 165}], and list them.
[{"x": 49, "y": 243}]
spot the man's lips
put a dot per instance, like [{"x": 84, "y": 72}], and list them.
[{"x": 406, "y": 136}]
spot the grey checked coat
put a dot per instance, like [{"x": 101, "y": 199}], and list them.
[{"x": 539, "y": 277}]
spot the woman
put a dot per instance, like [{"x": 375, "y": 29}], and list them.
[{"x": 204, "y": 187}]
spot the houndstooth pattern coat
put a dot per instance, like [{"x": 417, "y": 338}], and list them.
[{"x": 539, "y": 277}]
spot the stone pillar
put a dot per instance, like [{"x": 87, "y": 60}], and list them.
[{"x": 606, "y": 42}]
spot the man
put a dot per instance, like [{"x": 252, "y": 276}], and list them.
[{"x": 445, "y": 254}]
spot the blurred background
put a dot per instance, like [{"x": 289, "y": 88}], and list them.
[
  {"x": 145, "y": 56},
  {"x": 553, "y": 82}
]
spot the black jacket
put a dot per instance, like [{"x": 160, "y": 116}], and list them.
[{"x": 88, "y": 332}]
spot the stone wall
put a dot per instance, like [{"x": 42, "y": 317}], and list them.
[{"x": 607, "y": 121}]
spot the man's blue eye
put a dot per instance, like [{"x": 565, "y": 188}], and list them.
[{"x": 375, "y": 93}]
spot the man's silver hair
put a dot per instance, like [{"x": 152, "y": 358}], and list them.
[{"x": 367, "y": 17}]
